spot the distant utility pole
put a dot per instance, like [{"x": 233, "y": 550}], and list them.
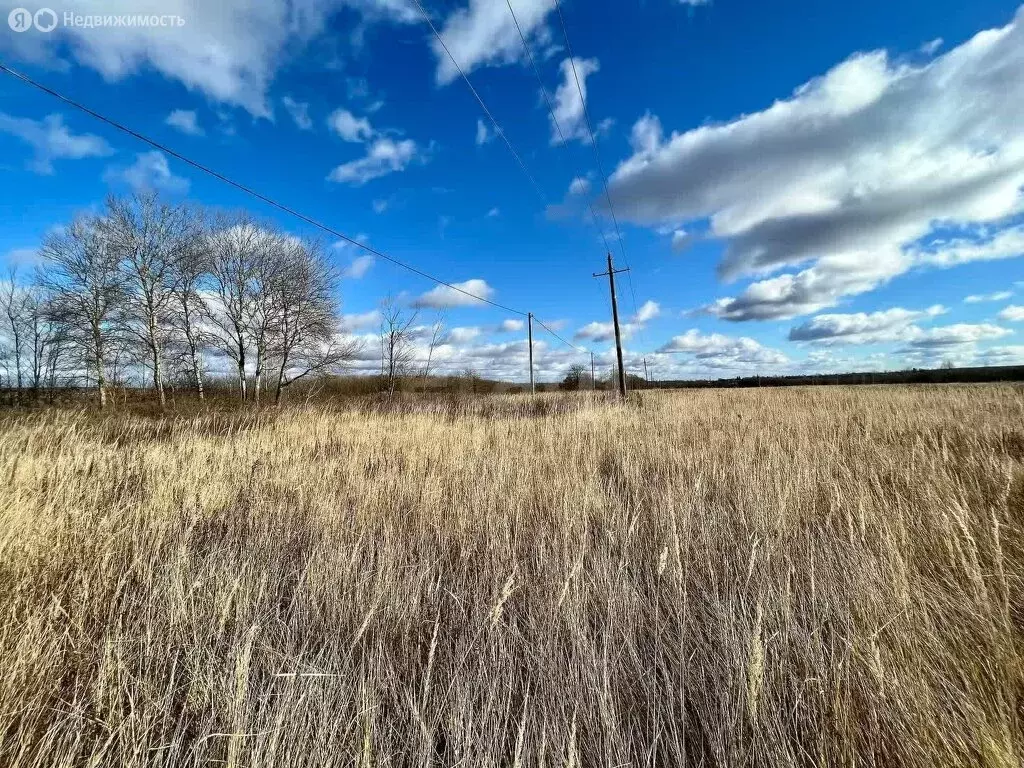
[
  {"x": 647, "y": 376},
  {"x": 611, "y": 273},
  {"x": 529, "y": 322},
  {"x": 593, "y": 374}
]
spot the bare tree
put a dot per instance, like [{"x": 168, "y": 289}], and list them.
[
  {"x": 12, "y": 315},
  {"x": 397, "y": 351},
  {"x": 304, "y": 331},
  {"x": 436, "y": 339},
  {"x": 235, "y": 246},
  {"x": 149, "y": 237},
  {"x": 85, "y": 287},
  {"x": 190, "y": 312},
  {"x": 44, "y": 340}
]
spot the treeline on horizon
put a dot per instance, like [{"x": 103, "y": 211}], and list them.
[{"x": 945, "y": 375}]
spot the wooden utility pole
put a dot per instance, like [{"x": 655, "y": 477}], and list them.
[
  {"x": 612, "y": 272},
  {"x": 529, "y": 323},
  {"x": 647, "y": 376}
]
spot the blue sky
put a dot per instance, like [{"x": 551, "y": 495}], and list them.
[{"x": 810, "y": 186}]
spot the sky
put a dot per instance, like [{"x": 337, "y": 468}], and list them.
[{"x": 795, "y": 187}]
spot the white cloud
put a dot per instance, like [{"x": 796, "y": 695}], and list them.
[
  {"x": 511, "y": 326},
  {"x": 461, "y": 336},
  {"x": 681, "y": 240},
  {"x": 716, "y": 350},
  {"x": 568, "y": 120},
  {"x": 229, "y": 50},
  {"x": 962, "y": 333},
  {"x": 484, "y": 34},
  {"x": 299, "y": 110},
  {"x": 149, "y": 172},
  {"x": 358, "y": 268},
  {"x": 381, "y": 205},
  {"x": 445, "y": 297},
  {"x": 850, "y": 173},
  {"x": 929, "y": 48},
  {"x": 896, "y": 324},
  {"x": 349, "y": 127},
  {"x": 384, "y": 156},
  {"x": 646, "y": 313},
  {"x": 52, "y": 140},
  {"x": 360, "y": 322},
  {"x": 600, "y": 332},
  {"x": 1012, "y": 314},
  {"x": 185, "y": 120},
  {"x": 1011, "y": 355},
  {"x": 494, "y": 213},
  {"x": 579, "y": 186},
  {"x": 979, "y": 298},
  {"x": 483, "y": 134}
]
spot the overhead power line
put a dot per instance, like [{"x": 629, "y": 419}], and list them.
[
  {"x": 497, "y": 127},
  {"x": 249, "y": 191},
  {"x": 597, "y": 158},
  {"x": 551, "y": 111}
]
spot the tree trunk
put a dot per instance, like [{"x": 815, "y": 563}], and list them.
[
  {"x": 101, "y": 376},
  {"x": 158, "y": 378},
  {"x": 197, "y": 371}
]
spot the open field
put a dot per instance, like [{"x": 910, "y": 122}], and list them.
[{"x": 722, "y": 578}]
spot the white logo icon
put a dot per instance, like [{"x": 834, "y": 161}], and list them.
[
  {"x": 20, "y": 20},
  {"x": 45, "y": 20}
]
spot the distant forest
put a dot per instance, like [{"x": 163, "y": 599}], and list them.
[{"x": 912, "y": 376}]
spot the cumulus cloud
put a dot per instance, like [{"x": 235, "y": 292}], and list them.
[
  {"x": 229, "y": 50},
  {"x": 360, "y": 321},
  {"x": 299, "y": 111},
  {"x": 853, "y": 172},
  {"x": 149, "y": 173},
  {"x": 600, "y": 332},
  {"x": 716, "y": 350},
  {"x": 358, "y": 268},
  {"x": 186, "y": 121},
  {"x": 955, "y": 335},
  {"x": 461, "y": 335},
  {"x": 978, "y": 298},
  {"x": 349, "y": 127},
  {"x": 456, "y": 295},
  {"x": 51, "y": 140},
  {"x": 896, "y": 324},
  {"x": 484, "y": 34},
  {"x": 1012, "y": 314},
  {"x": 511, "y": 326},
  {"x": 568, "y": 118},
  {"x": 382, "y": 157}
]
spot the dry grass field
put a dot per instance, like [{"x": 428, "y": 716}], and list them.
[{"x": 807, "y": 577}]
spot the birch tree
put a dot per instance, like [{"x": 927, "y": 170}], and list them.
[
  {"x": 150, "y": 237},
  {"x": 190, "y": 312},
  {"x": 235, "y": 246},
  {"x": 85, "y": 289},
  {"x": 305, "y": 331}
]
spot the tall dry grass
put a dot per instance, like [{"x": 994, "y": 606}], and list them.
[{"x": 720, "y": 578}]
